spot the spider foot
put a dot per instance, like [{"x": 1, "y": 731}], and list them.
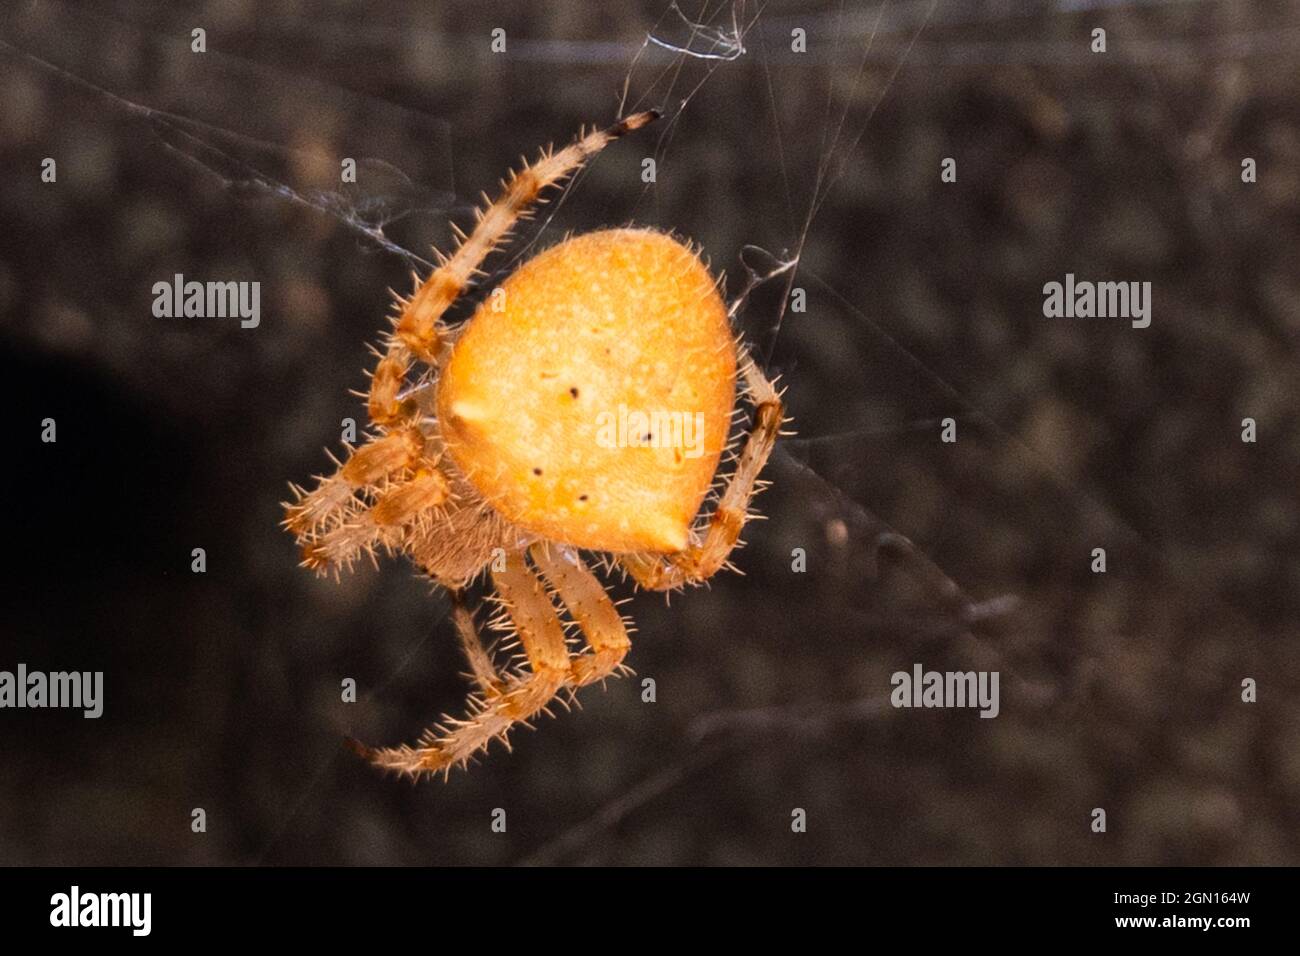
[{"x": 455, "y": 741}]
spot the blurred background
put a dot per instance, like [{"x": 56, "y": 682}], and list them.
[{"x": 923, "y": 299}]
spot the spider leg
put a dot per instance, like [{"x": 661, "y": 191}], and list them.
[
  {"x": 417, "y": 333},
  {"x": 384, "y": 523},
  {"x": 366, "y": 466},
  {"x": 480, "y": 663},
  {"x": 589, "y": 605},
  {"x": 521, "y": 697},
  {"x": 698, "y": 562}
]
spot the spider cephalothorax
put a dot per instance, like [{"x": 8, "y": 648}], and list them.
[{"x": 585, "y": 405}]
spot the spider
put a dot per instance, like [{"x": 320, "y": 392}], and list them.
[{"x": 504, "y": 446}]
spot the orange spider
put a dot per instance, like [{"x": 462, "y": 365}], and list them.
[{"x": 585, "y": 405}]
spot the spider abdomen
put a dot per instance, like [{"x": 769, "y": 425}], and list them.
[{"x": 589, "y": 398}]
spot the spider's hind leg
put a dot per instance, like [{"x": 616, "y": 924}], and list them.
[
  {"x": 485, "y": 674},
  {"x": 521, "y": 696},
  {"x": 589, "y": 605}
]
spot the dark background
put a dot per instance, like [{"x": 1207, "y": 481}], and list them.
[{"x": 1119, "y": 690}]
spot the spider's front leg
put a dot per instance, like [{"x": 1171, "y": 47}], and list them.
[
  {"x": 657, "y": 572},
  {"x": 395, "y": 512},
  {"x": 401, "y": 487},
  {"x": 418, "y": 332},
  {"x": 334, "y": 495}
]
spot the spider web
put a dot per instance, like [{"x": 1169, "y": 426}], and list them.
[
  {"x": 675, "y": 65},
  {"x": 249, "y": 156}
]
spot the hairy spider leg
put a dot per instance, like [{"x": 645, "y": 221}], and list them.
[
  {"x": 659, "y": 572},
  {"x": 588, "y": 603},
  {"x": 485, "y": 675},
  {"x": 503, "y": 702},
  {"x": 418, "y": 333},
  {"x": 521, "y": 697}
]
